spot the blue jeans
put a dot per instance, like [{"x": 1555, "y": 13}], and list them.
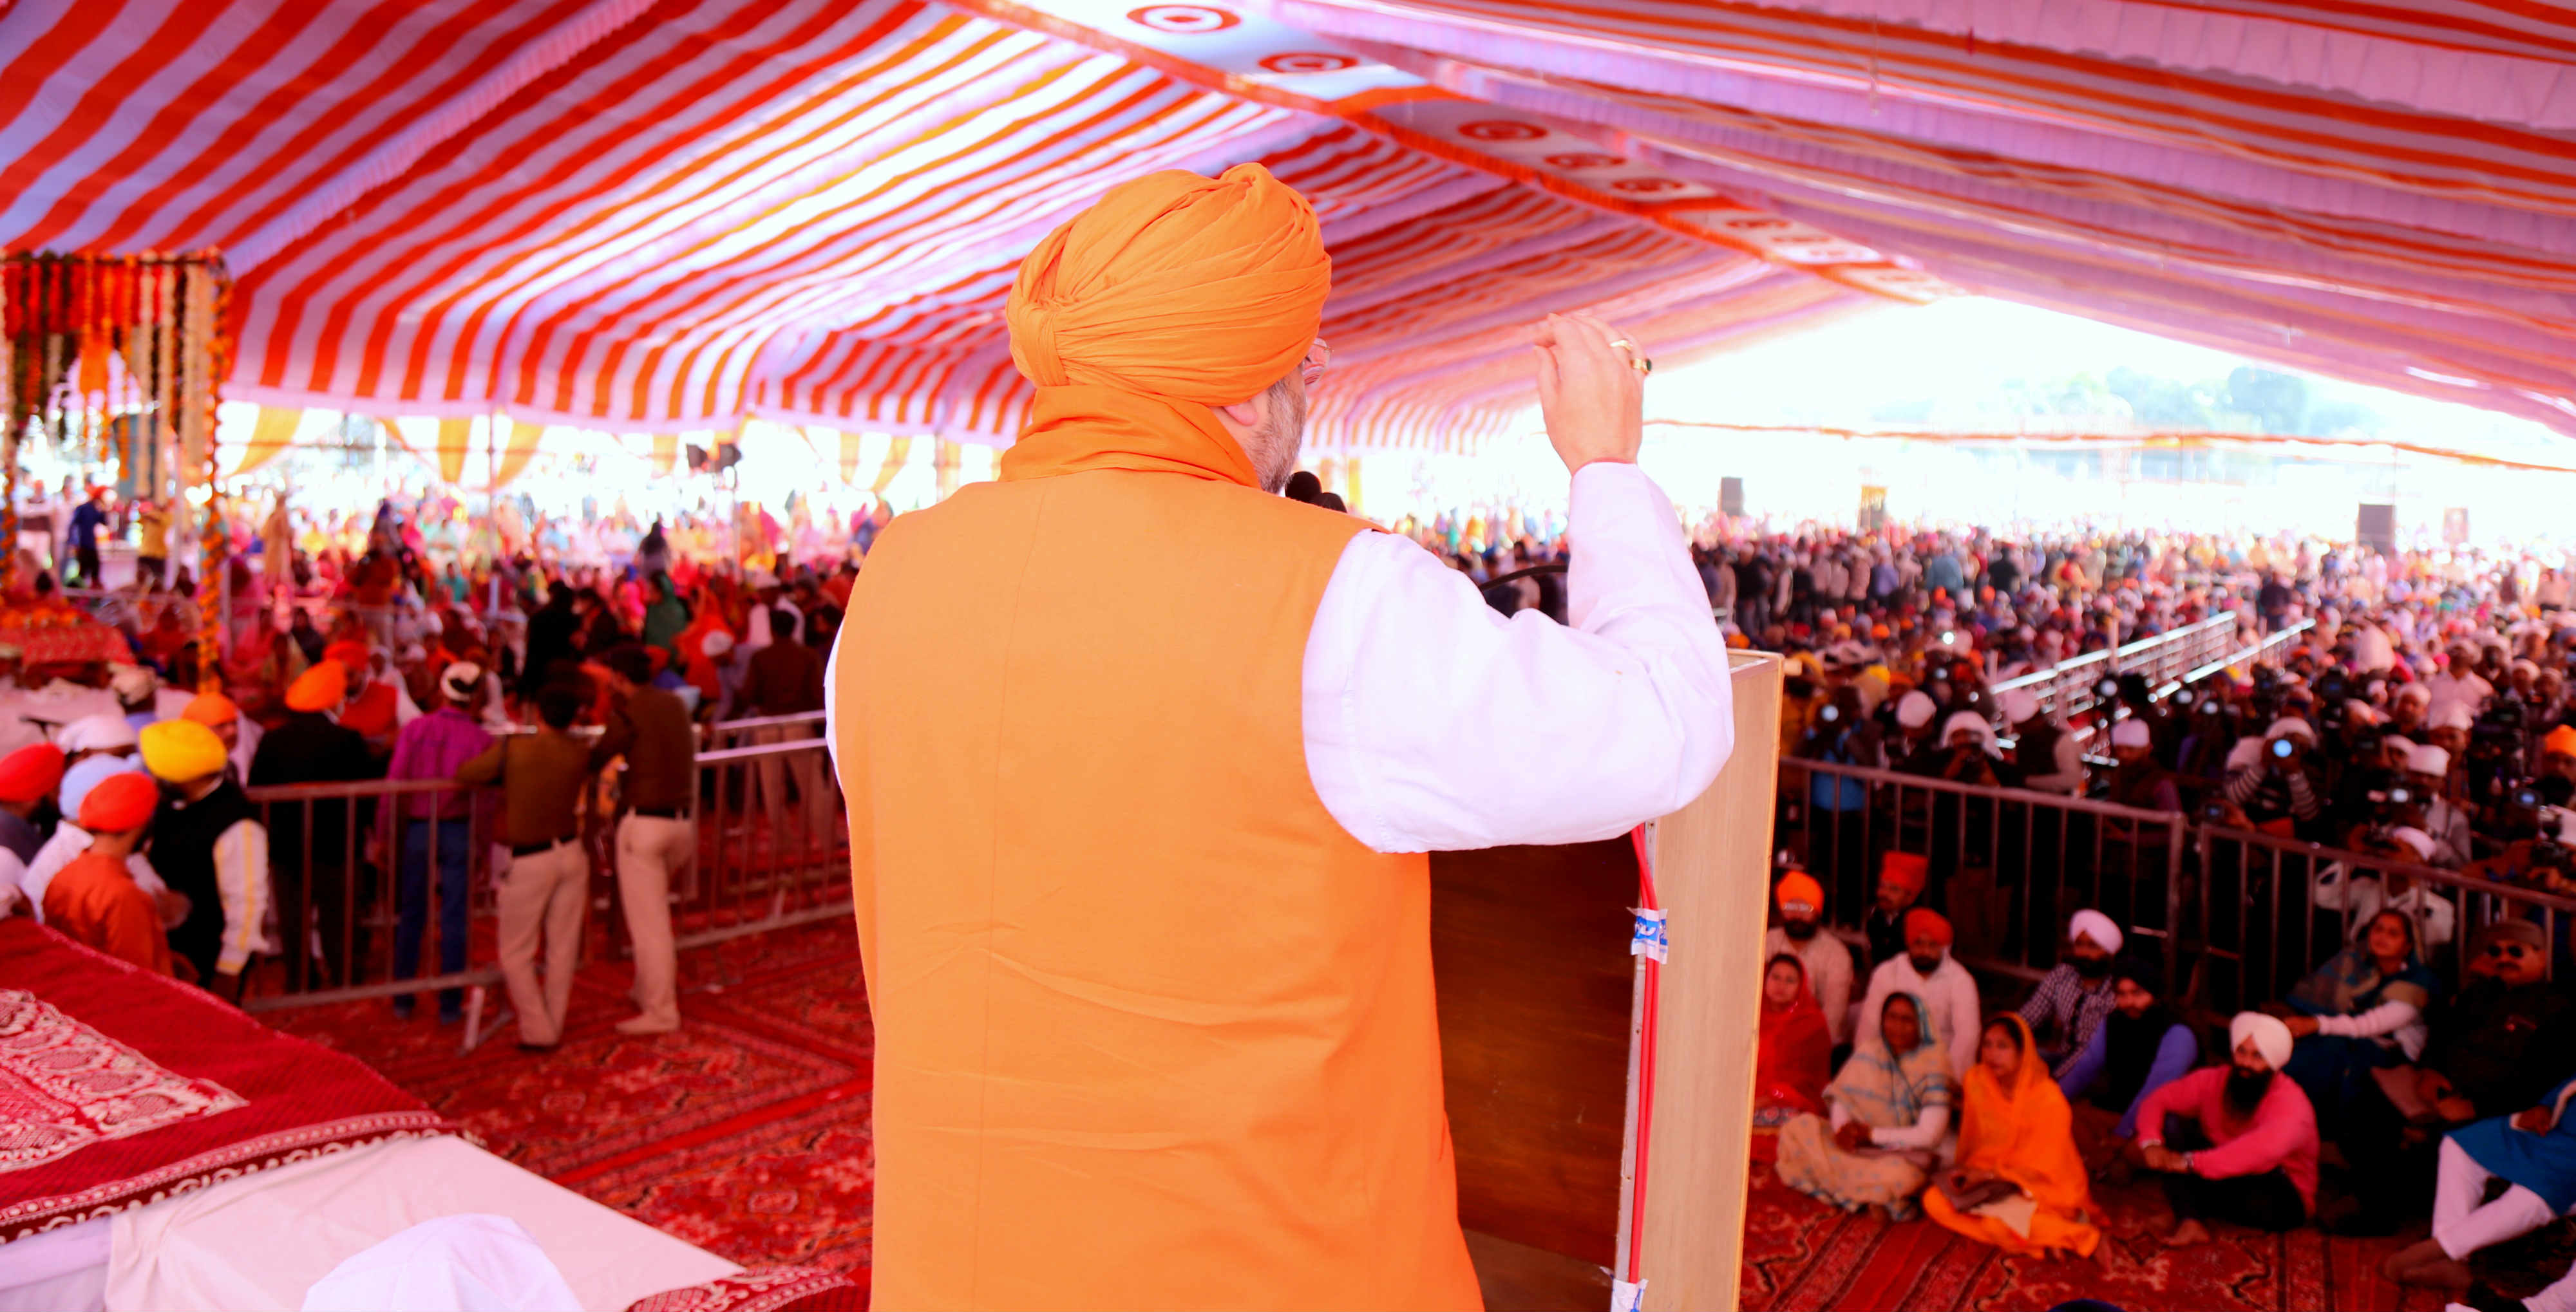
[{"x": 411, "y": 893}]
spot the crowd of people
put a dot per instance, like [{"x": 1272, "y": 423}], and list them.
[
  {"x": 2415, "y": 712},
  {"x": 2422, "y": 715},
  {"x": 499, "y": 694}
]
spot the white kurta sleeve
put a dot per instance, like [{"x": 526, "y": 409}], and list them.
[
  {"x": 1432, "y": 723},
  {"x": 241, "y": 879}
]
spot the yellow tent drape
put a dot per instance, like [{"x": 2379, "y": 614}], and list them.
[
  {"x": 897, "y": 451},
  {"x": 454, "y": 435},
  {"x": 269, "y": 438},
  {"x": 524, "y": 439},
  {"x": 666, "y": 452},
  {"x": 850, "y": 444}
]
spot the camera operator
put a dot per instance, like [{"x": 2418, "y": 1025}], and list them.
[
  {"x": 2545, "y": 860},
  {"x": 2275, "y": 780},
  {"x": 2439, "y": 817},
  {"x": 2209, "y": 732},
  {"x": 2364, "y": 893},
  {"x": 1842, "y": 735},
  {"x": 2375, "y": 764},
  {"x": 1966, "y": 754},
  {"x": 2496, "y": 742},
  {"x": 2048, "y": 757}
]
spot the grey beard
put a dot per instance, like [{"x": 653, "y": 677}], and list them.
[{"x": 1282, "y": 436}]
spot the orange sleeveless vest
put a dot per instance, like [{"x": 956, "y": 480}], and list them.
[{"x": 1152, "y": 1030}]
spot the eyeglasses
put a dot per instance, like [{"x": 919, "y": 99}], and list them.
[
  {"x": 1318, "y": 357},
  {"x": 2517, "y": 951}
]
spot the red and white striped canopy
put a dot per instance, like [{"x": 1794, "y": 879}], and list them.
[{"x": 658, "y": 214}]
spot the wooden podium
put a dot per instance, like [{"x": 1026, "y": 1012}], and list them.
[{"x": 1546, "y": 1057}]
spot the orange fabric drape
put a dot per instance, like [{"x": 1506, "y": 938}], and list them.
[
  {"x": 850, "y": 447},
  {"x": 524, "y": 440},
  {"x": 2026, "y": 1136},
  {"x": 269, "y": 438},
  {"x": 454, "y": 436},
  {"x": 898, "y": 450}
]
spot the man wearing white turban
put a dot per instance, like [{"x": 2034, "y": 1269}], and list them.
[
  {"x": 2236, "y": 1142},
  {"x": 2072, "y": 999}
]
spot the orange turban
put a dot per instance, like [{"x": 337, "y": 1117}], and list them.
[
  {"x": 121, "y": 801},
  {"x": 1174, "y": 285},
  {"x": 211, "y": 709},
  {"x": 1906, "y": 870},
  {"x": 2561, "y": 740},
  {"x": 1924, "y": 922},
  {"x": 30, "y": 772},
  {"x": 1800, "y": 889},
  {"x": 373, "y": 710},
  {"x": 347, "y": 651},
  {"x": 319, "y": 688}
]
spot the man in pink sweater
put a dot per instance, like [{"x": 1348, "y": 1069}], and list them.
[{"x": 2235, "y": 1142}]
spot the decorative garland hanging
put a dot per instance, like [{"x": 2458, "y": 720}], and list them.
[{"x": 121, "y": 358}]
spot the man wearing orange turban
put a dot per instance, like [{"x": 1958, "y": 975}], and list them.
[
  {"x": 27, "y": 777},
  {"x": 1801, "y": 901},
  {"x": 1143, "y": 763},
  {"x": 1947, "y": 992},
  {"x": 95, "y": 900}
]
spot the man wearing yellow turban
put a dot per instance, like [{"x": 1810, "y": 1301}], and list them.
[
  {"x": 208, "y": 843},
  {"x": 1143, "y": 762}
]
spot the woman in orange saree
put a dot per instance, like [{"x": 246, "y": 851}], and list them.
[{"x": 2019, "y": 1183}]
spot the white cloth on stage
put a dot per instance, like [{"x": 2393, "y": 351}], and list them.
[
  {"x": 60, "y": 1270},
  {"x": 1433, "y": 723},
  {"x": 261, "y": 1241},
  {"x": 472, "y": 1262}
]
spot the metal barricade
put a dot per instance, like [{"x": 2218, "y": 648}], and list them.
[
  {"x": 2011, "y": 864},
  {"x": 347, "y": 860},
  {"x": 2239, "y": 916},
  {"x": 773, "y": 838},
  {"x": 2272, "y": 909},
  {"x": 344, "y": 861},
  {"x": 736, "y": 733},
  {"x": 2066, "y": 689}
]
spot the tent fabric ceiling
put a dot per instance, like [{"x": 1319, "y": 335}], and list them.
[{"x": 657, "y": 214}]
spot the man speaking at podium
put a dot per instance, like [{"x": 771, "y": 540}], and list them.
[{"x": 1142, "y": 764}]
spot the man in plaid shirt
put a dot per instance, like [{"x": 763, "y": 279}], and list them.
[{"x": 2072, "y": 999}]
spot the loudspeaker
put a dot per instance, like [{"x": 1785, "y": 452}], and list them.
[
  {"x": 1730, "y": 496},
  {"x": 2376, "y": 527}
]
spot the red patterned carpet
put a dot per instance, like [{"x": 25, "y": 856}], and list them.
[
  {"x": 747, "y": 1134},
  {"x": 1801, "y": 1255}
]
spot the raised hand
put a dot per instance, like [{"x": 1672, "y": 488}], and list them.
[{"x": 1590, "y": 391}]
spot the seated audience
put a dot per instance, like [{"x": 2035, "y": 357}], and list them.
[
  {"x": 1827, "y": 962},
  {"x": 1794, "y": 1055},
  {"x": 1927, "y": 972},
  {"x": 2139, "y": 1048},
  {"x": 1889, "y": 1111},
  {"x": 2234, "y": 1142},
  {"x": 2019, "y": 1183},
  {"x": 2533, "y": 1152},
  {"x": 2359, "y": 1012},
  {"x": 2495, "y": 1047},
  {"x": 1900, "y": 881},
  {"x": 94, "y": 900},
  {"x": 2073, "y": 997}
]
